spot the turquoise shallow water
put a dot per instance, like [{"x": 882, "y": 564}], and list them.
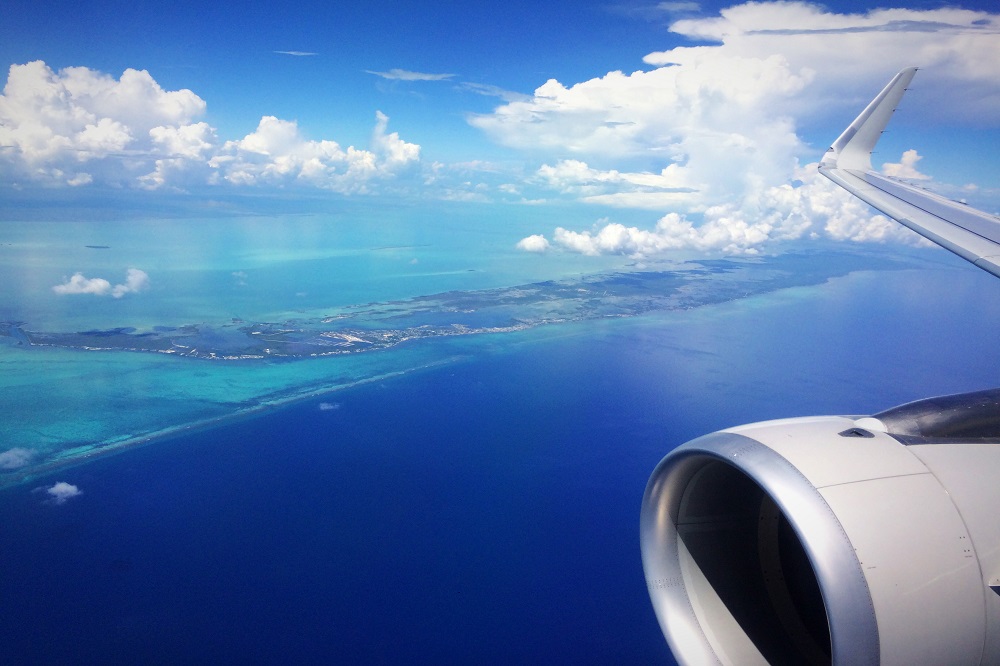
[
  {"x": 407, "y": 289},
  {"x": 267, "y": 266},
  {"x": 209, "y": 271},
  {"x": 467, "y": 492},
  {"x": 481, "y": 507}
]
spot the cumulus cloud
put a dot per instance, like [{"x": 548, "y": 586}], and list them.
[
  {"x": 78, "y": 284},
  {"x": 276, "y": 153},
  {"x": 693, "y": 124},
  {"x": 392, "y": 153},
  {"x": 615, "y": 188},
  {"x": 533, "y": 243},
  {"x": 69, "y": 126},
  {"x": 809, "y": 209},
  {"x": 906, "y": 167},
  {"x": 406, "y": 75},
  {"x": 182, "y": 154},
  {"x": 954, "y": 46},
  {"x": 720, "y": 120},
  {"x": 711, "y": 132},
  {"x": 79, "y": 126},
  {"x": 61, "y": 491},
  {"x": 135, "y": 281},
  {"x": 15, "y": 458}
]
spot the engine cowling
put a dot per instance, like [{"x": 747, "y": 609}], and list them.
[{"x": 838, "y": 540}]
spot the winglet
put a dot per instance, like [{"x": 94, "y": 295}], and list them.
[
  {"x": 969, "y": 233},
  {"x": 853, "y": 149}
]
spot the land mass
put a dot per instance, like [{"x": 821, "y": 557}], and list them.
[{"x": 374, "y": 326}]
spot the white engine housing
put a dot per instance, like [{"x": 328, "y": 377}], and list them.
[{"x": 828, "y": 540}]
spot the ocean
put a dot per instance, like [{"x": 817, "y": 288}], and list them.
[{"x": 467, "y": 492}]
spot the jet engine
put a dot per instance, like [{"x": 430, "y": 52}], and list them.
[{"x": 832, "y": 540}]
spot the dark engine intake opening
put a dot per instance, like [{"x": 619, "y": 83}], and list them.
[{"x": 751, "y": 557}]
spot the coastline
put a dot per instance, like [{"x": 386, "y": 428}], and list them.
[
  {"x": 260, "y": 389},
  {"x": 85, "y": 453}
]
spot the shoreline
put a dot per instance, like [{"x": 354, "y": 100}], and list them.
[
  {"x": 83, "y": 452},
  {"x": 30, "y": 473},
  {"x": 386, "y": 324}
]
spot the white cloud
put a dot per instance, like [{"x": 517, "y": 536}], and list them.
[
  {"x": 533, "y": 243},
  {"x": 104, "y": 137},
  {"x": 135, "y": 281},
  {"x": 615, "y": 188},
  {"x": 494, "y": 91},
  {"x": 276, "y": 153},
  {"x": 850, "y": 53},
  {"x": 78, "y": 284},
  {"x": 710, "y": 131},
  {"x": 392, "y": 152},
  {"x": 689, "y": 120},
  {"x": 61, "y": 491},
  {"x": 192, "y": 141},
  {"x": 328, "y": 406},
  {"x": 183, "y": 155},
  {"x": 406, "y": 75},
  {"x": 906, "y": 167},
  {"x": 15, "y": 458},
  {"x": 782, "y": 213},
  {"x": 655, "y": 12},
  {"x": 720, "y": 121},
  {"x": 297, "y": 53},
  {"x": 678, "y": 6},
  {"x": 51, "y": 123},
  {"x": 80, "y": 179},
  {"x": 79, "y": 127}
]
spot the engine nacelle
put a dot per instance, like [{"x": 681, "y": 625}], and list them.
[{"x": 837, "y": 540}]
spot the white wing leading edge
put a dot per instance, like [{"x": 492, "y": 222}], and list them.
[
  {"x": 969, "y": 233},
  {"x": 774, "y": 542}
]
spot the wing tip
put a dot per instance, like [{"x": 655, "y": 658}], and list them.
[{"x": 853, "y": 148}]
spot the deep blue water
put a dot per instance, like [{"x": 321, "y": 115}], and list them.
[
  {"x": 481, "y": 512},
  {"x": 460, "y": 516}
]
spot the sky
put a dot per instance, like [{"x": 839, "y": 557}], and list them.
[{"x": 680, "y": 125}]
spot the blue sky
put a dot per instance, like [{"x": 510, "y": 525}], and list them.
[{"x": 705, "y": 118}]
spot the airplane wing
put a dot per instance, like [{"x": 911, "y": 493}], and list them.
[
  {"x": 840, "y": 540},
  {"x": 969, "y": 233}
]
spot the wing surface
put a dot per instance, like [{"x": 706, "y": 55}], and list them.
[{"x": 969, "y": 233}]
